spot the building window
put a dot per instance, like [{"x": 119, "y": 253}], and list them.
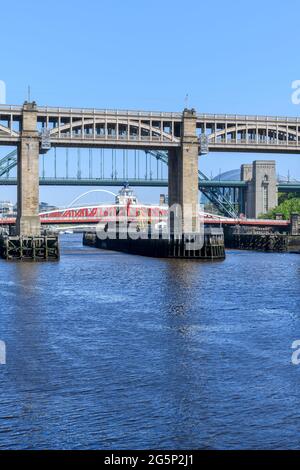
[{"x": 265, "y": 195}]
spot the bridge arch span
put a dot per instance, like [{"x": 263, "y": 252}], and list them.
[
  {"x": 113, "y": 128},
  {"x": 271, "y": 132}
]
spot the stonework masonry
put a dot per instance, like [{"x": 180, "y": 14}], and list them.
[
  {"x": 261, "y": 194},
  {"x": 28, "y": 221},
  {"x": 183, "y": 173}
]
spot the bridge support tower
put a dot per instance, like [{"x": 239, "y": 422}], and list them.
[
  {"x": 183, "y": 175},
  {"x": 28, "y": 221},
  {"x": 261, "y": 193},
  {"x": 28, "y": 243}
]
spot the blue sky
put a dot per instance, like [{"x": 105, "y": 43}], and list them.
[{"x": 230, "y": 57}]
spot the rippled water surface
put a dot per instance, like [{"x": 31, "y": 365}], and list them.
[{"x": 112, "y": 351}]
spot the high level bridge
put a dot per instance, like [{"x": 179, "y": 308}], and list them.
[
  {"x": 182, "y": 136},
  {"x": 153, "y": 130}
]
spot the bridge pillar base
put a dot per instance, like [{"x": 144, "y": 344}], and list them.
[
  {"x": 29, "y": 226},
  {"x": 41, "y": 248}
]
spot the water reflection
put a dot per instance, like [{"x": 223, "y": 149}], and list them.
[{"x": 107, "y": 350}]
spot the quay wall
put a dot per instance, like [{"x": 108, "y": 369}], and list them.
[{"x": 213, "y": 247}]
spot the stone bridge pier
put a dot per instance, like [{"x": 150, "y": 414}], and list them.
[
  {"x": 261, "y": 194},
  {"x": 28, "y": 221},
  {"x": 183, "y": 175}
]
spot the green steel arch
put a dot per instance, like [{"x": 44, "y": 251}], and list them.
[{"x": 8, "y": 162}]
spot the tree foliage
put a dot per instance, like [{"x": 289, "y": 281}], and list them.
[{"x": 286, "y": 207}]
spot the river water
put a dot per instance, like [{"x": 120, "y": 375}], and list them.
[{"x": 113, "y": 351}]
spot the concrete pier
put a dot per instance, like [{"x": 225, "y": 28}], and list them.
[
  {"x": 294, "y": 238},
  {"x": 245, "y": 238},
  {"x": 27, "y": 243},
  {"x": 28, "y": 221},
  {"x": 211, "y": 247},
  {"x": 183, "y": 175},
  {"x": 26, "y": 248},
  {"x": 265, "y": 238}
]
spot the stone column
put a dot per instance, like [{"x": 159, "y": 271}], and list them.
[
  {"x": 174, "y": 189},
  {"x": 295, "y": 223},
  {"x": 248, "y": 198},
  {"x": 261, "y": 193},
  {"x": 28, "y": 221},
  {"x": 265, "y": 186},
  {"x": 183, "y": 174}
]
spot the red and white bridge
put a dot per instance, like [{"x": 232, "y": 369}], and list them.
[{"x": 142, "y": 214}]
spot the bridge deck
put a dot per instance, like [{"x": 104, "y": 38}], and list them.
[
  {"x": 72, "y": 127},
  {"x": 117, "y": 182}
]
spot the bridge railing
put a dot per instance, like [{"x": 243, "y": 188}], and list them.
[
  {"x": 109, "y": 112},
  {"x": 7, "y": 107},
  {"x": 253, "y": 141},
  {"x": 244, "y": 117},
  {"x": 150, "y": 114}
]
